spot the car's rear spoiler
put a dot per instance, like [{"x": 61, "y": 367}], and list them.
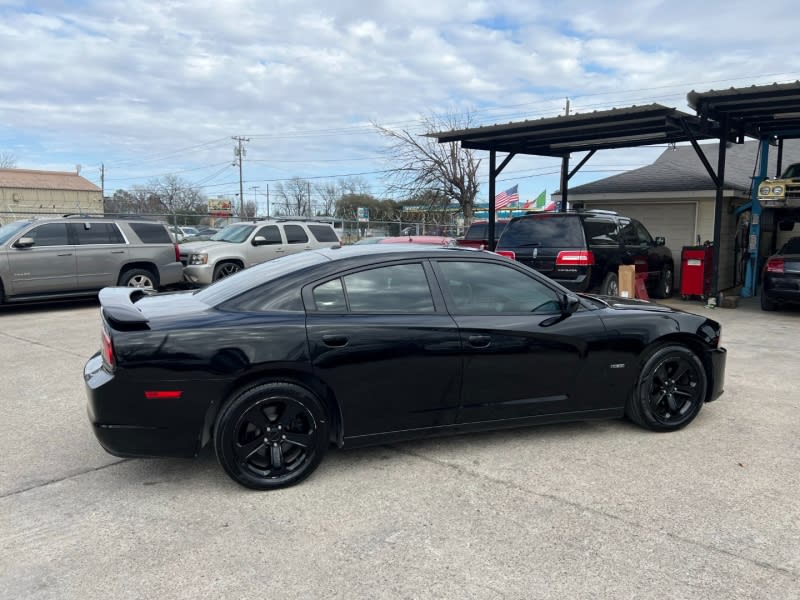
[{"x": 118, "y": 309}]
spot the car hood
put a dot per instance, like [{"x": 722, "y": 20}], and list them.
[
  {"x": 203, "y": 246},
  {"x": 629, "y": 303}
]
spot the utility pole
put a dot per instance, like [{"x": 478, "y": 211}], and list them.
[
  {"x": 267, "y": 201},
  {"x": 310, "y": 209},
  {"x": 239, "y": 153},
  {"x": 255, "y": 198}
]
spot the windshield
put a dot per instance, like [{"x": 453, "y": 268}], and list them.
[
  {"x": 233, "y": 233},
  {"x": 792, "y": 171},
  {"x": 10, "y": 230}
]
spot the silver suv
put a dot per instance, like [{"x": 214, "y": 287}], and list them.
[
  {"x": 243, "y": 245},
  {"x": 77, "y": 256}
]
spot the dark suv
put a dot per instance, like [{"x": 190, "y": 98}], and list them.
[{"x": 583, "y": 250}]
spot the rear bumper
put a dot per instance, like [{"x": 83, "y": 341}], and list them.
[
  {"x": 718, "y": 357},
  {"x": 128, "y": 425},
  {"x": 170, "y": 274}
]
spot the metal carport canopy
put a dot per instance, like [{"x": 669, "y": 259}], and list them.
[
  {"x": 766, "y": 113},
  {"x": 561, "y": 136}
]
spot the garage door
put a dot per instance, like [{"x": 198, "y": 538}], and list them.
[{"x": 674, "y": 222}]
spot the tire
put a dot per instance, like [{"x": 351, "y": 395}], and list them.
[
  {"x": 610, "y": 285},
  {"x": 766, "y": 303},
  {"x": 670, "y": 389},
  {"x": 664, "y": 287},
  {"x": 224, "y": 269},
  {"x": 141, "y": 278},
  {"x": 271, "y": 436}
]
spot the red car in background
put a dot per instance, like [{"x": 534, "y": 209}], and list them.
[{"x": 477, "y": 235}]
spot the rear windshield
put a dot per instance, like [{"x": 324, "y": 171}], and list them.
[
  {"x": 792, "y": 246},
  {"x": 238, "y": 283},
  {"x": 480, "y": 231},
  {"x": 548, "y": 231}
]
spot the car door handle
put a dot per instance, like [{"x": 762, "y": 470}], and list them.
[
  {"x": 66, "y": 254},
  {"x": 118, "y": 252},
  {"x": 335, "y": 341},
  {"x": 479, "y": 341}
]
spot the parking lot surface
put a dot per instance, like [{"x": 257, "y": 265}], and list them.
[{"x": 585, "y": 510}]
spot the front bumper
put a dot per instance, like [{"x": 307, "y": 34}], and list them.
[
  {"x": 718, "y": 357},
  {"x": 198, "y": 274}
]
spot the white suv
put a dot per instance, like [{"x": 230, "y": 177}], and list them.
[{"x": 243, "y": 245}]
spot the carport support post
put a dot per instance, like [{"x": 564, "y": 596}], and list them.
[
  {"x": 723, "y": 141},
  {"x": 564, "y": 181},
  {"x": 492, "y": 177},
  {"x": 754, "y": 242}
]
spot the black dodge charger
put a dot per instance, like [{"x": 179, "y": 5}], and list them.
[{"x": 373, "y": 344}]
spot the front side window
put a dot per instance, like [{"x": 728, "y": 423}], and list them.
[
  {"x": 51, "y": 234},
  {"x": 642, "y": 234},
  {"x": 271, "y": 234},
  {"x": 392, "y": 289},
  {"x": 479, "y": 288},
  {"x": 295, "y": 234}
]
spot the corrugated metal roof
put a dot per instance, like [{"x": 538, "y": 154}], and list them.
[
  {"x": 558, "y": 136},
  {"x": 680, "y": 170},
  {"x": 45, "y": 180}
]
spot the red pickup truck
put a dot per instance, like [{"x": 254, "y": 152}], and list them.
[{"x": 477, "y": 235}]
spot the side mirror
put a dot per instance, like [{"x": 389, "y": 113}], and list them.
[
  {"x": 24, "y": 242},
  {"x": 569, "y": 304},
  {"x": 661, "y": 241},
  {"x": 259, "y": 240}
]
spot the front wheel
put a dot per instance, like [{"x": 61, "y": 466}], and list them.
[
  {"x": 670, "y": 390},
  {"x": 271, "y": 436},
  {"x": 225, "y": 269}
]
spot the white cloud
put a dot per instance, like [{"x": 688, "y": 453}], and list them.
[{"x": 121, "y": 82}]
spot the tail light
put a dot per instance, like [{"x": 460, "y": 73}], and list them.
[
  {"x": 775, "y": 265},
  {"x": 108, "y": 350},
  {"x": 572, "y": 258},
  {"x": 177, "y": 253},
  {"x": 507, "y": 253}
]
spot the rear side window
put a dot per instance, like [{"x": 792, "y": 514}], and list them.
[
  {"x": 397, "y": 289},
  {"x": 323, "y": 233},
  {"x": 601, "y": 232},
  {"x": 295, "y": 234},
  {"x": 96, "y": 233},
  {"x": 548, "y": 231},
  {"x": 151, "y": 233}
]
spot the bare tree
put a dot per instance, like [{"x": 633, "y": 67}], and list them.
[
  {"x": 175, "y": 194},
  {"x": 293, "y": 197},
  {"x": 424, "y": 166},
  {"x": 8, "y": 160},
  {"x": 328, "y": 194}
]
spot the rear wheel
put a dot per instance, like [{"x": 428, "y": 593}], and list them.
[
  {"x": 670, "y": 390},
  {"x": 226, "y": 268},
  {"x": 271, "y": 436},
  {"x": 610, "y": 285},
  {"x": 664, "y": 287},
  {"x": 766, "y": 303},
  {"x": 141, "y": 278}
]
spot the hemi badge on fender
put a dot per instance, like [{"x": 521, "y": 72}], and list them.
[
  {"x": 617, "y": 366},
  {"x": 163, "y": 394}
]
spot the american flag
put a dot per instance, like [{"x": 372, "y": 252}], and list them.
[{"x": 510, "y": 196}]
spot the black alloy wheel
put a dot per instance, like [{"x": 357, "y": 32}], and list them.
[
  {"x": 670, "y": 391},
  {"x": 271, "y": 436},
  {"x": 225, "y": 269}
]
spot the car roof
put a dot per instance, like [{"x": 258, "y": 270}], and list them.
[{"x": 401, "y": 250}]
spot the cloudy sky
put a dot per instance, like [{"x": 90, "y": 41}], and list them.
[{"x": 149, "y": 88}]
